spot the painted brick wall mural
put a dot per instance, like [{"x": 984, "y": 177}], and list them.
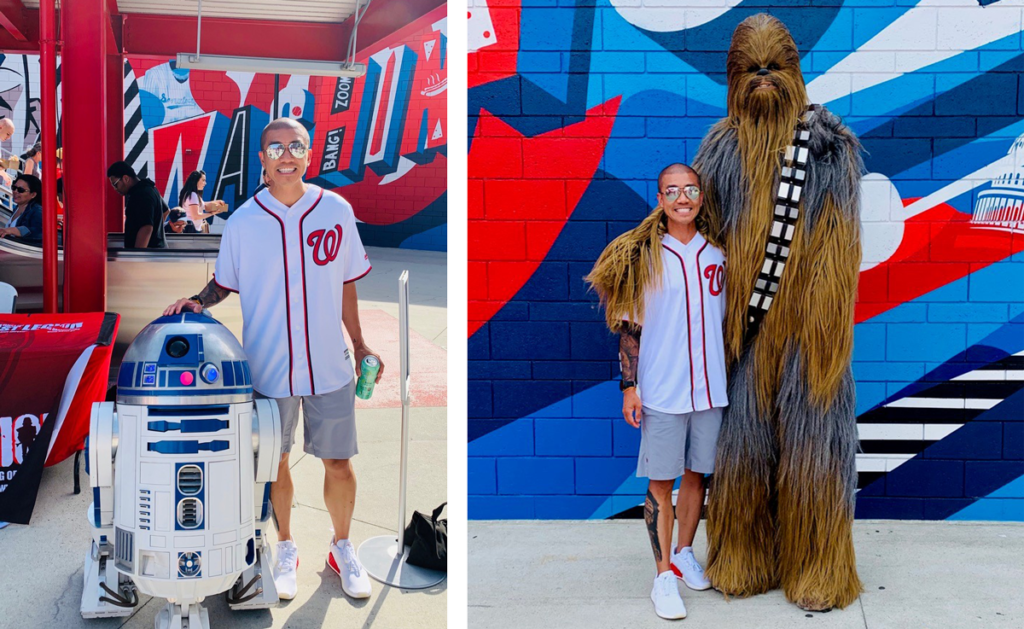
[
  {"x": 380, "y": 140},
  {"x": 575, "y": 106}
]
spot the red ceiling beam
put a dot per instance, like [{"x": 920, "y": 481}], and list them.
[
  {"x": 383, "y": 20},
  {"x": 28, "y": 27},
  {"x": 13, "y": 19},
  {"x": 167, "y": 35}
]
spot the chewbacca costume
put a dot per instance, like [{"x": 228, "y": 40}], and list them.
[{"x": 781, "y": 505}]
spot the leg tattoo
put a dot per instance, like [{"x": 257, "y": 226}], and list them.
[{"x": 651, "y": 517}]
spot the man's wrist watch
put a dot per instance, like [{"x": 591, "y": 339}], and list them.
[
  {"x": 197, "y": 299},
  {"x": 626, "y": 384}
]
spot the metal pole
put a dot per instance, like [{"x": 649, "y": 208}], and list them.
[
  {"x": 48, "y": 85},
  {"x": 384, "y": 556},
  {"x": 403, "y": 373}
]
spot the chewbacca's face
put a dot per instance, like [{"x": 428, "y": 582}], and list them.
[{"x": 764, "y": 70}]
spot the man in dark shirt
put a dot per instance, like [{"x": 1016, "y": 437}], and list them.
[{"x": 144, "y": 208}]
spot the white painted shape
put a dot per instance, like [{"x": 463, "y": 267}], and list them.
[
  {"x": 442, "y": 24},
  {"x": 935, "y": 30},
  {"x": 891, "y": 432},
  {"x": 867, "y": 463},
  {"x": 959, "y": 25},
  {"x": 1015, "y": 374},
  {"x": 428, "y": 48},
  {"x": 404, "y": 166},
  {"x": 664, "y": 16},
  {"x": 244, "y": 82},
  {"x": 936, "y": 432},
  {"x": 894, "y": 461},
  {"x": 979, "y": 177},
  {"x": 882, "y": 215},
  {"x": 980, "y": 404},
  {"x": 480, "y": 28},
  {"x": 438, "y": 133},
  {"x": 992, "y": 375},
  {"x": 927, "y": 402}
]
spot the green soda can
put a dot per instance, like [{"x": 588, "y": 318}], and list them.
[{"x": 368, "y": 374}]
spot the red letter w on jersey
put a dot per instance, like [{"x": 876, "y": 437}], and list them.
[
  {"x": 716, "y": 277},
  {"x": 326, "y": 244}
]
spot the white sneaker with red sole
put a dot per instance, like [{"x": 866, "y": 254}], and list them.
[
  {"x": 686, "y": 567},
  {"x": 354, "y": 579}
]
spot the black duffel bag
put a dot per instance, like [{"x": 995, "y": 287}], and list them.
[{"x": 427, "y": 539}]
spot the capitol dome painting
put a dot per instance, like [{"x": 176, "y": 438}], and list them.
[{"x": 1001, "y": 205}]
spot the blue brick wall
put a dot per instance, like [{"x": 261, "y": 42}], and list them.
[{"x": 935, "y": 96}]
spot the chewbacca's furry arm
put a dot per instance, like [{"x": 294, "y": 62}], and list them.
[
  {"x": 826, "y": 334},
  {"x": 719, "y": 179}
]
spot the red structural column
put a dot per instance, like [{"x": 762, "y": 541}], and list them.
[
  {"x": 114, "y": 207},
  {"x": 84, "y": 90},
  {"x": 48, "y": 84}
]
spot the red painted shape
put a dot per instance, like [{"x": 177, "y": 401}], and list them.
[
  {"x": 939, "y": 246},
  {"x": 498, "y": 60},
  {"x": 513, "y": 228},
  {"x": 178, "y": 150},
  {"x": 215, "y": 91},
  {"x": 385, "y": 204},
  {"x": 385, "y": 98},
  {"x": 186, "y": 378}
]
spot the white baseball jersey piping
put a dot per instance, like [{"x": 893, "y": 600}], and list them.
[
  {"x": 307, "y": 253},
  {"x": 682, "y": 359}
]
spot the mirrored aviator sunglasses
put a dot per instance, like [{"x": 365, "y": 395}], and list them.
[
  {"x": 276, "y": 150},
  {"x": 672, "y": 193}
]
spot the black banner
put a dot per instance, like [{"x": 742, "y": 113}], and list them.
[
  {"x": 342, "y": 95},
  {"x": 332, "y": 151}
]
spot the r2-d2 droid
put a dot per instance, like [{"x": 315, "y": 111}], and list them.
[{"x": 180, "y": 471}]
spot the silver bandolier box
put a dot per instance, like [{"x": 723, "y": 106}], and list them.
[{"x": 180, "y": 469}]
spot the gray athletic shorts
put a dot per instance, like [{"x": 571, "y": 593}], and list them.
[
  {"x": 672, "y": 443},
  {"x": 329, "y": 422}
]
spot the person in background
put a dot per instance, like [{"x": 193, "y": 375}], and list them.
[
  {"x": 7, "y": 129},
  {"x": 191, "y": 200},
  {"x": 176, "y": 223},
  {"x": 144, "y": 208},
  {"x": 27, "y": 221},
  {"x": 29, "y": 157}
]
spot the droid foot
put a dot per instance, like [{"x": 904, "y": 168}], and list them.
[
  {"x": 255, "y": 589},
  {"x": 174, "y": 616},
  {"x": 99, "y": 572}
]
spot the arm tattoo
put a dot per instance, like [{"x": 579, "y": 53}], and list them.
[
  {"x": 213, "y": 294},
  {"x": 629, "y": 350},
  {"x": 651, "y": 518}
]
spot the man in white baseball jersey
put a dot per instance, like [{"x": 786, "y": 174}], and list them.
[
  {"x": 666, "y": 280},
  {"x": 292, "y": 253}
]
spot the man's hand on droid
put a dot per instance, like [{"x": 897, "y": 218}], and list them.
[
  {"x": 183, "y": 304},
  {"x": 632, "y": 409},
  {"x": 361, "y": 353}
]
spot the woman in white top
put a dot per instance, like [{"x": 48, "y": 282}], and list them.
[{"x": 191, "y": 200}]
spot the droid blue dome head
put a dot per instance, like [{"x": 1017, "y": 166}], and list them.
[{"x": 184, "y": 359}]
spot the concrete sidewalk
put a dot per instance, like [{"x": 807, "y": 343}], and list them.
[
  {"x": 598, "y": 575},
  {"x": 41, "y": 564}
]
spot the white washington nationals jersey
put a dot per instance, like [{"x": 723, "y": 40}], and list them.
[
  {"x": 682, "y": 361},
  {"x": 289, "y": 267}
]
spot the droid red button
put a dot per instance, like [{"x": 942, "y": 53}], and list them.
[{"x": 187, "y": 378}]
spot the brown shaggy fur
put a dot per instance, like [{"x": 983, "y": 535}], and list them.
[{"x": 781, "y": 504}]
